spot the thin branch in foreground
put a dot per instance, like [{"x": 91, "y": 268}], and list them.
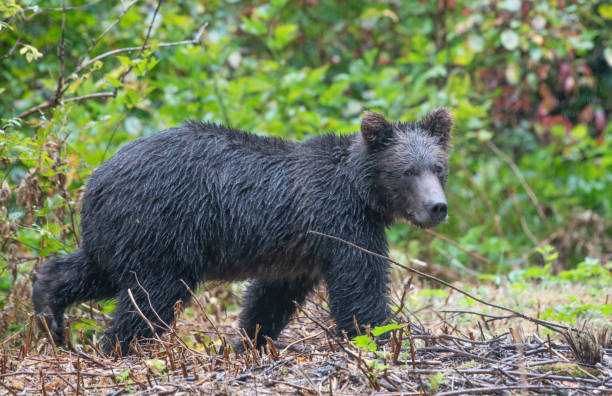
[
  {"x": 549, "y": 325},
  {"x": 464, "y": 250}
]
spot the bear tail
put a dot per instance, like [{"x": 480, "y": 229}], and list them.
[{"x": 60, "y": 282}]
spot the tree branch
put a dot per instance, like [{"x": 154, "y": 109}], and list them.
[
  {"x": 14, "y": 47},
  {"x": 196, "y": 40},
  {"x": 49, "y": 104},
  {"x": 65, "y": 8}
]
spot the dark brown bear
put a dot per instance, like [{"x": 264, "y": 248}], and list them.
[{"x": 204, "y": 202}]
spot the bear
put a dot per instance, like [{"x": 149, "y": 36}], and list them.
[{"x": 202, "y": 202}]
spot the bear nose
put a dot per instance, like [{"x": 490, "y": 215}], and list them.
[{"x": 437, "y": 210}]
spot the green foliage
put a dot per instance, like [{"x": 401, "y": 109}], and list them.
[
  {"x": 529, "y": 84},
  {"x": 434, "y": 381},
  {"x": 367, "y": 343},
  {"x": 125, "y": 378}
]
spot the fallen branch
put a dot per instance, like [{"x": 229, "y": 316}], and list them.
[{"x": 549, "y": 325}]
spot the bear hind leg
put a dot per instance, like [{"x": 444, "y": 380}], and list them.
[{"x": 157, "y": 307}]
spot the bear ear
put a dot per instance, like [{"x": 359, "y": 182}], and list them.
[
  {"x": 439, "y": 123},
  {"x": 375, "y": 128}
]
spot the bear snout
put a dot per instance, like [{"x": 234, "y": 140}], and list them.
[{"x": 438, "y": 210}]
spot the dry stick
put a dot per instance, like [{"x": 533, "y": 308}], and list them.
[
  {"x": 44, "y": 322},
  {"x": 329, "y": 333},
  {"x": 28, "y": 339},
  {"x": 495, "y": 389},
  {"x": 549, "y": 325},
  {"x": 291, "y": 344},
  {"x": 168, "y": 328},
  {"x": 8, "y": 388},
  {"x": 199, "y": 304},
  {"x": 521, "y": 178},
  {"x": 303, "y": 374},
  {"x": 48, "y": 105},
  {"x": 139, "y": 312},
  {"x": 491, "y": 317},
  {"x": 95, "y": 41}
]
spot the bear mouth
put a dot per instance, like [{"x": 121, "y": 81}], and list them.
[{"x": 423, "y": 223}]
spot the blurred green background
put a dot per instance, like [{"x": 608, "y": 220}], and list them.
[{"x": 529, "y": 84}]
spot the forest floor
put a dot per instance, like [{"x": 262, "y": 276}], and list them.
[{"x": 450, "y": 345}]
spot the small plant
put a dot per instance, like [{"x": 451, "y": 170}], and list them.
[
  {"x": 434, "y": 382},
  {"x": 124, "y": 378},
  {"x": 156, "y": 366},
  {"x": 368, "y": 344}
]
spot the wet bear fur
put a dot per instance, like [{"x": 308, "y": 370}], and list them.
[{"x": 205, "y": 202}]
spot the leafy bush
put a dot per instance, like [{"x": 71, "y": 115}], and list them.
[{"x": 528, "y": 83}]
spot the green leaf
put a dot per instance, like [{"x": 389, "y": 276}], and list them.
[
  {"x": 124, "y": 60},
  {"x": 114, "y": 82},
  {"x": 283, "y": 34},
  {"x": 253, "y": 26},
  {"x": 364, "y": 342},
  {"x": 605, "y": 10},
  {"x": 361, "y": 341},
  {"x": 385, "y": 329}
]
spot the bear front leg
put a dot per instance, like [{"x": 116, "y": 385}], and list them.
[
  {"x": 271, "y": 304},
  {"x": 357, "y": 285}
]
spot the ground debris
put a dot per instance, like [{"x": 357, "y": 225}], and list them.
[{"x": 308, "y": 360}]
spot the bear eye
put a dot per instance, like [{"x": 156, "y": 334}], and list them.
[
  {"x": 438, "y": 169},
  {"x": 410, "y": 172}
]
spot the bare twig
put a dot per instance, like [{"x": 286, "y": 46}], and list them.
[
  {"x": 196, "y": 40},
  {"x": 143, "y": 316},
  {"x": 14, "y": 47},
  {"x": 64, "y": 8}
]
